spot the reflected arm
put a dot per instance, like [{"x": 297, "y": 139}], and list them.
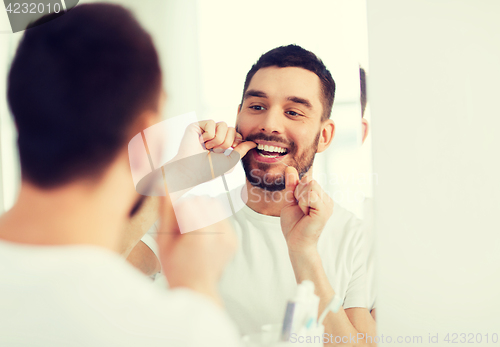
[{"x": 345, "y": 323}]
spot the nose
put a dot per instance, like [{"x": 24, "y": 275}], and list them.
[{"x": 272, "y": 121}]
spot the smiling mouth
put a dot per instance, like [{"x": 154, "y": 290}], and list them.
[{"x": 271, "y": 151}]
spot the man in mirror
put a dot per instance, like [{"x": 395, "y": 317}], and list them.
[{"x": 289, "y": 229}]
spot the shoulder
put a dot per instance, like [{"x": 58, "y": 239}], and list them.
[
  {"x": 175, "y": 313},
  {"x": 341, "y": 213},
  {"x": 343, "y": 220},
  {"x": 344, "y": 228},
  {"x": 135, "y": 305}
]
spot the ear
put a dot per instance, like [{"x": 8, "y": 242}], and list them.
[
  {"x": 327, "y": 133},
  {"x": 145, "y": 120},
  {"x": 364, "y": 129},
  {"x": 150, "y": 117},
  {"x": 239, "y": 108}
]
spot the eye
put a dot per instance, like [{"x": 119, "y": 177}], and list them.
[
  {"x": 293, "y": 114},
  {"x": 257, "y": 107}
]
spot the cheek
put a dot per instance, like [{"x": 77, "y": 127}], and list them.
[
  {"x": 244, "y": 125},
  {"x": 301, "y": 137}
]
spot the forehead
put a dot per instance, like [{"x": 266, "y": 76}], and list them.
[{"x": 281, "y": 83}]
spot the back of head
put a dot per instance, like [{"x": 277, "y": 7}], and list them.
[
  {"x": 362, "y": 85},
  {"x": 77, "y": 84},
  {"x": 296, "y": 56}
]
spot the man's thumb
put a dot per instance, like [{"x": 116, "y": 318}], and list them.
[{"x": 291, "y": 180}]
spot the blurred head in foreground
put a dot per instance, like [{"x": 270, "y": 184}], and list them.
[{"x": 81, "y": 84}]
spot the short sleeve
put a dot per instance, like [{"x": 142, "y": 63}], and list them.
[{"x": 358, "y": 291}]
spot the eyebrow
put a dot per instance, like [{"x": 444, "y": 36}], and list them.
[
  {"x": 254, "y": 93},
  {"x": 260, "y": 94},
  {"x": 301, "y": 101}
]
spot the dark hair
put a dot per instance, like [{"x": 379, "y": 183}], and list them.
[
  {"x": 296, "y": 56},
  {"x": 362, "y": 95},
  {"x": 76, "y": 85}
]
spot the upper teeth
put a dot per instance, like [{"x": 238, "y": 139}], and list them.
[{"x": 271, "y": 148}]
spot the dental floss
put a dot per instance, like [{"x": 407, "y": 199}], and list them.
[{"x": 226, "y": 153}]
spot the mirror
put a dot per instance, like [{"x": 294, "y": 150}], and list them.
[
  {"x": 216, "y": 43},
  {"x": 206, "y": 49}
]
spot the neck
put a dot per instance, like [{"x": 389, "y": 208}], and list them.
[
  {"x": 77, "y": 213},
  {"x": 266, "y": 202},
  {"x": 263, "y": 201}
]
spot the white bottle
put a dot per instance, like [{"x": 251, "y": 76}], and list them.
[{"x": 301, "y": 312}]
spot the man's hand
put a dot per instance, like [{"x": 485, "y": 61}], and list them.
[
  {"x": 304, "y": 216},
  {"x": 194, "y": 163},
  {"x": 196, "y": 259},
  {"x": 139, "y": 224},
  {"x": 208, "y": 135},
  {"x": 144, "y": 259}
]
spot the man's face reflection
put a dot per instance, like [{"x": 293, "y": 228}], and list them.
[{"x": 281, "y": 112}]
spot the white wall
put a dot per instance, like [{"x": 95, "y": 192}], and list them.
[
  {"x": 9, "y": 167},
  {"x": 434, "y": 86}
]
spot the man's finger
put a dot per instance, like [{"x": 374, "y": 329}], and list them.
[
  {"x": 228, "y": 141},
  {"x": 243, "y": 148},
  {"x": 306, "y": 179},
  {"x": 314, "y": 200},
  {"x": 305, "y": 185},
  {"x": 208, "y": 129},
  {"x": 237, "y": 140},
  {"x": 291, "y": 181},
  {"x": 303, "y": 202},
  {"x": 220, "y": 136}
]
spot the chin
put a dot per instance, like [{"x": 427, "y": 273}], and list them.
[
  {"x": 272, "y": 188},
  {"x": 266, "y": 180}
]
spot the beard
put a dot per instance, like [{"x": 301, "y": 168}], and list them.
[{"x": 258, "y": 174}]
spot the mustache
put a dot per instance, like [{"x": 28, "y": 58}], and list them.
[{"x": 271, "y": 138}]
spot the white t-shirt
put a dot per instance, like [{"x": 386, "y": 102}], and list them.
[
  {"x": 258, "y": 282},
  {"x": 88, "y": 296}
]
